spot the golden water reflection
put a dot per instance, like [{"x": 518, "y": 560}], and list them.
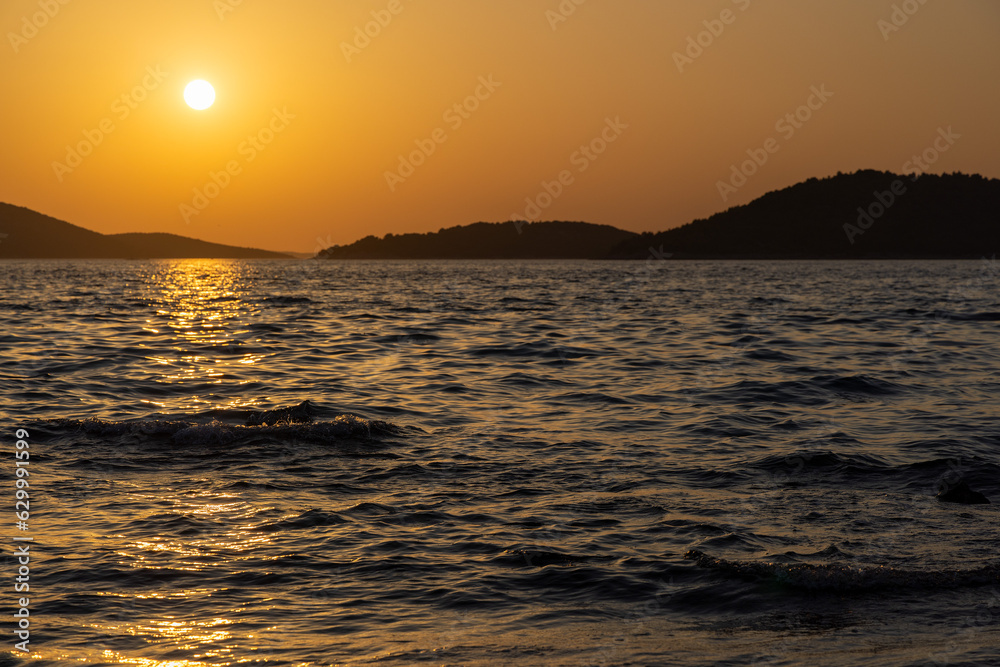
[
  {"x": 197, "y": 330},
  {"x": 202, "y": 312},
  {"x": 210, "y": 638}
]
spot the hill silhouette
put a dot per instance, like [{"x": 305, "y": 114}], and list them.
[
  {"x": 26, "y": 234},
  {"x": 867, "y": 214},
  {"x": 490, "y": 240}
]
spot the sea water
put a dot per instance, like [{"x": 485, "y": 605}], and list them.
[{"x": 510, "y": 463}]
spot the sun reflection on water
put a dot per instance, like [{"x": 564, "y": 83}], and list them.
[
  {"x": 228, "y": 536},
  {"x": 204, "y": 309}
]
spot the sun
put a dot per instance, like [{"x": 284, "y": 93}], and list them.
[{"x": 199, "y": 94}]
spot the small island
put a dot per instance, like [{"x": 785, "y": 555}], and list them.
[
  {"x": 864, "y": 215},
  {"x": 491, "y": 240}
]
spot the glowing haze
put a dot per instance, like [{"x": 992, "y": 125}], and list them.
[{"x": 334, "y": 120}]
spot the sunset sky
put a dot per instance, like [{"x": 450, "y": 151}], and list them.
[{"x": 312, "y": 116}]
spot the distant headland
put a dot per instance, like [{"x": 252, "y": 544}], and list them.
[
  {"x": 25, "y": 234},
  {"x": 864, "y": 215}
]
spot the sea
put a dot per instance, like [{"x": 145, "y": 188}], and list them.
[{"x": 500, "y": 462}]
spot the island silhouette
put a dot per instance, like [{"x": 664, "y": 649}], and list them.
[
  {"x": 491, "y": 240},
  {"x": 863, "y": 215},
  {"x": 27, "y": 234},
  {"x": 867, "y": 214}
]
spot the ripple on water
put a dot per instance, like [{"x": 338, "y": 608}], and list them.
[{"x": 465, "y": 462}]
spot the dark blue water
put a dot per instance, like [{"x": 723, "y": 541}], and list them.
[{"x": 510, "y": 463}]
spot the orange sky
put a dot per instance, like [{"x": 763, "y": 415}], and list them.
[{"x": 312, "y": 120}]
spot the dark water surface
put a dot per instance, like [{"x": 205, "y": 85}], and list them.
[{"x": 511, "y": 463}]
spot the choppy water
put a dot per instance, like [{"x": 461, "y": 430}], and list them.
[{"x": 564, "y": 463}]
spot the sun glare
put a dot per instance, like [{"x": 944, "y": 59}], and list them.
[{"x": 199, "y": 94}]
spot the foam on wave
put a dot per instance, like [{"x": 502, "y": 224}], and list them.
[{"x": 295, "y": 423}]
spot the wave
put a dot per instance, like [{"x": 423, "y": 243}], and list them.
[
  {"x": 308, "y": 519},
  {"x": 857, "y": 384},
  {"x": 287, "y": 300},
  {"x": 304, "y": 412},
  {"x": 407, "y": 338},
  {"x": 975, "y": 317},
  {"x": 846, "y": 578},
  {"x": 541, "y": 349},
  {"x": 296, "y": 423},
  {"x": 984, "y": 316},
  {"x": 824, "y": 461},
  {"x": 817, "y": 390}
]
